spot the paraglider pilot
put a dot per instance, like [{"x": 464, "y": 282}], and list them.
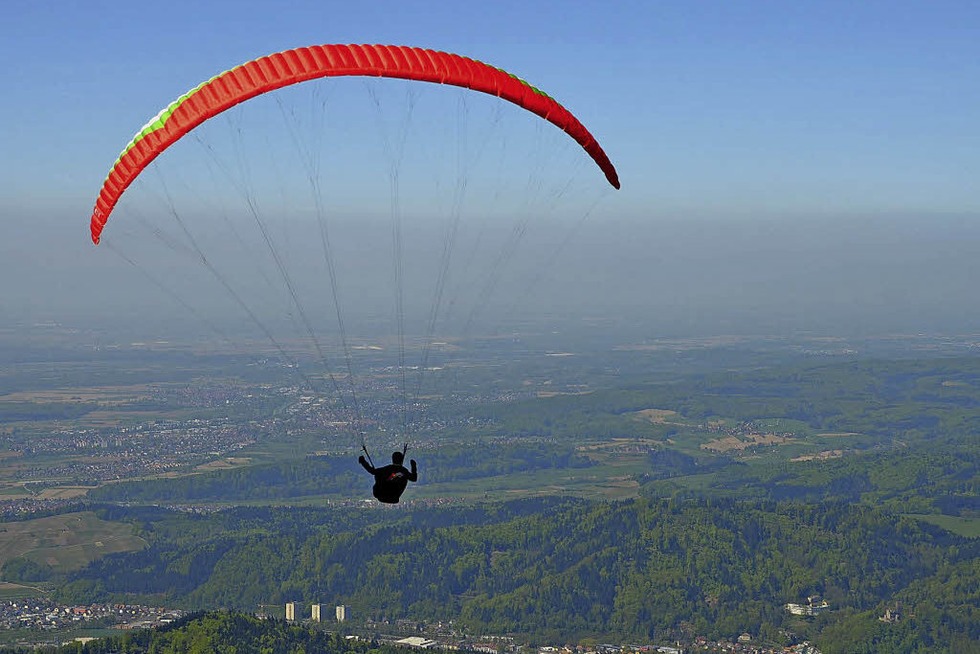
[{"x": 390, "y": 481}]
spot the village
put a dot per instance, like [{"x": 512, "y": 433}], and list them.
[{"x": 45, "y": 615}]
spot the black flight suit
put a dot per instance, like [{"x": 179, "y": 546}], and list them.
[{"x": 391, "y": 480}]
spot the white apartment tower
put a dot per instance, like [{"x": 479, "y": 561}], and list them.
[
  {"x": 343, "y": 613},
  {"x": 291, "y": 611},
  {"x": 315, "y": 612}
]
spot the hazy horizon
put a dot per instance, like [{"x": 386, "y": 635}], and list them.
[{"x": 663, "y": 278}]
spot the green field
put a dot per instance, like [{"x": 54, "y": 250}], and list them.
[
  {"x": 10, "y": 591},
  {"x": 608, "y": 480},
  {"x": 968, "y": 527},
  {"x": 66, "y": 542}
]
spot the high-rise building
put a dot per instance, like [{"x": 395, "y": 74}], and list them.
[
  {"x": 343, "y": 613},
  {"x": 315, "y": 612},
  {"x": 291, "y": 611}
]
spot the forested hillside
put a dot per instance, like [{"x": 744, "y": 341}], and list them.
[
  {"x": 225, "y": 633},
  {"x": 559, "y": 570}
]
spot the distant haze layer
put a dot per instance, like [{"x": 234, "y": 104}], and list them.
[{"x": 655, "y": 277}]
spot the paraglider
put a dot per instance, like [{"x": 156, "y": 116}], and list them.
[
  {"x": 282, "y": 69},
  {"x": 391, "y": 480}
]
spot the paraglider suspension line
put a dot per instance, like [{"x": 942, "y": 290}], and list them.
[{"x": 367, "y": 454}]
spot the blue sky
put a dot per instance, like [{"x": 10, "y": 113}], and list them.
[
  {"x": 732, "y": 111},
  {"x": 705, "y": 107}
]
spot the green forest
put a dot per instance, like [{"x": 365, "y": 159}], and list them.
[
  {"x": 223, "y": 633},
  {"x": 558, "y": 570}
]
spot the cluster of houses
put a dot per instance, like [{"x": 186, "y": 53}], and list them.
[{"x": 44, "y": 615}]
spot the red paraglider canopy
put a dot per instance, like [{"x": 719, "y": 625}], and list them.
[{"x": 293, "y": 66}]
